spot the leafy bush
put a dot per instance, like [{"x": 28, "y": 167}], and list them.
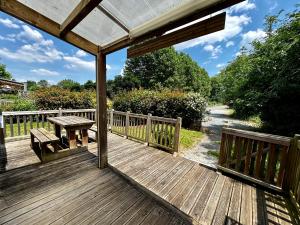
[
  {"x": 19, "y": 105},
  {"x": 189, "y": 106},
  {"x": 266, "y": 80},
  {"x": 56, "y": 97}
]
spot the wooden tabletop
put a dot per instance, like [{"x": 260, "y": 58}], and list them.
[{"x": 71, "y": 121}]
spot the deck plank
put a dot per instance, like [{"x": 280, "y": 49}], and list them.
[{"x": 73, "y": 190}]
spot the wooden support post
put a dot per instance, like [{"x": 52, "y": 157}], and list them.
[
  {"x": 148, "y": 128},
  {"x": 292, "y": 168},
  {"x": 127, "y": 124},
  {"x": 177, "y": 134},
  {"x": 3, "y": 155},
  {"x": 101, "y": 110},
  {"x": 111, "y": 119}
]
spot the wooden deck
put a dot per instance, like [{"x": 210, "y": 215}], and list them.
[{"x": 166, "y": 190}]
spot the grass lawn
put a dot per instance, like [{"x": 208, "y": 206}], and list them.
[
  {"x": 22, "y": 132},
  {"x": 189, "y": 138},
  {"x": 213, "y": 153}
]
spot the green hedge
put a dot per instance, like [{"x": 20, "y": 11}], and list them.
[
  {"x": 189, "y": 106},
  {"x": 56, "y": 97}
]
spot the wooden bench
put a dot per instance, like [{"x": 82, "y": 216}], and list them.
[{"x": 44, "y": 138}]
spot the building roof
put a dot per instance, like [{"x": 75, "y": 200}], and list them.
[{"x": 109, "y": 25}]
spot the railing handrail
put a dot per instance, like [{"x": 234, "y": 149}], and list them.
[
  {"x": 274, "y": 139},
  {"x": 258, "y": 157},
  {"x": 35, "y": 112},
  {"x": 167, "y": 130}
]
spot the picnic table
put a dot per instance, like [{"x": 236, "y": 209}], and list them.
[{"x": 72, "y": 124}]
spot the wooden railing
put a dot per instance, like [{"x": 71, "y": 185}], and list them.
[
  {"x": 157, "y": 131},
  {"x": 292, "y": 178},
  {"x": 19, "y": 123},
  {"x": 259, "y": 157}
]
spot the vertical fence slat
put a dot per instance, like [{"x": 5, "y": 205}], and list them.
[
  {"x": 248, "y": 156},
  {"x": 4, "y": 126},
  {"x": 37, "y": 121},
  {"x": 43, "y": 120},
  {"x": 283, "y": 158},
  {"x": 271, "y": 164},
  {"x": 148, "y": 128},
  {"x": 258, "y": 158},
  {"x": 25, "y": 124},
  {"x": 11, "y": 124},
  {"x": 177, "y": 134},
  {"x": 30, "y": 118},
  {"x": 18, "y": 124}
]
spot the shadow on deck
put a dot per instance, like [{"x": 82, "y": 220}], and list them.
[{"x": 170, "y": 190}]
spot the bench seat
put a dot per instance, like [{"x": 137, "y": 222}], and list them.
[{"x": 44, "y": 138}]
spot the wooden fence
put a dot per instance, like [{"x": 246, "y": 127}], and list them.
[
  {"x": 292, "y": 178},
  {"x": 20, "y": 122},
  {"x": 157, "y": 131},
  {"x": 258, "y": 157}
]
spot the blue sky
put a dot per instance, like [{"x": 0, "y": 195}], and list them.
[{"x": 31, "y": 54}]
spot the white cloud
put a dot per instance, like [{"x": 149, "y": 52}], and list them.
[
  {"x": 30, "y": 34},
  {"x": 215, "y": 51},
  {"x": 229, "y": 43},
  {"x": 242, "y": 6},
  {"x": 45, "y": 72},
  {"x": 80, "y": 53},
  {"x": 78, "y": 63},
  {"x": 32, "y": 53},
  {"x": 9, "y": 23},
  {"x": 108, "y": 67},
  {"x": 7, "y": 38},
  {"x": 250, "y": 36},
  {"x": 221, "y": 65},
  {"x": 233, "y": 26},
  {"x": 41, "y": 50}
]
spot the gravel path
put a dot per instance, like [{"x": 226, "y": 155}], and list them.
[{"x": 216, "y": 119}]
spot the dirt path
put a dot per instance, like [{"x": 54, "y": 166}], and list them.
[{"x": 205, "y": 151}]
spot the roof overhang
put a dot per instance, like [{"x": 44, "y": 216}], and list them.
[{"x": 109, "y": 25}]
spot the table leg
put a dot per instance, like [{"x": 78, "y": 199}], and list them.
[
  {"x": 57, "y": 131},
  {"x": 72, "y": 139},
  {"x": 84, "y": 137},
  {"x": 32, "y": 140}
]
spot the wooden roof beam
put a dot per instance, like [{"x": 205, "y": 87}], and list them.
[
  {"x": 113, "y": 18},
  {"x": 201, "y": 28},
  {"x": 77, "y": 15},
  {"x": 170, "y": 26},
  {"x": 28, "y": 15}
]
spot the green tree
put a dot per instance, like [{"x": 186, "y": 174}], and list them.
[
  {"x": 4, "y": 73},
  {"x": 89, "y": 85},
  {"x": 43, "y": 83},
  {"x": 32, "y": 85},
  {"x": 164, "y": 68},
  {"x": 69, "y": 84},
  {"x": 216, "y": 89},
  {"x": 266, "y": 81}
]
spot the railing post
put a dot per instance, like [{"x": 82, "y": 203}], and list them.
[
  {"x": 177, "y": 134},
  {"x": 148, "y": 128},
  {"x": 60, "y": 113},
  {"x": 111, "y": 119},
  {"x": 3, "y": 155},
  {"x": 292, "y": 169},
  {"x": 127, "y": 124}
]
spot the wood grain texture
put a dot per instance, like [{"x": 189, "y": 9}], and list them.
[{"x": 168, "y": 190}]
